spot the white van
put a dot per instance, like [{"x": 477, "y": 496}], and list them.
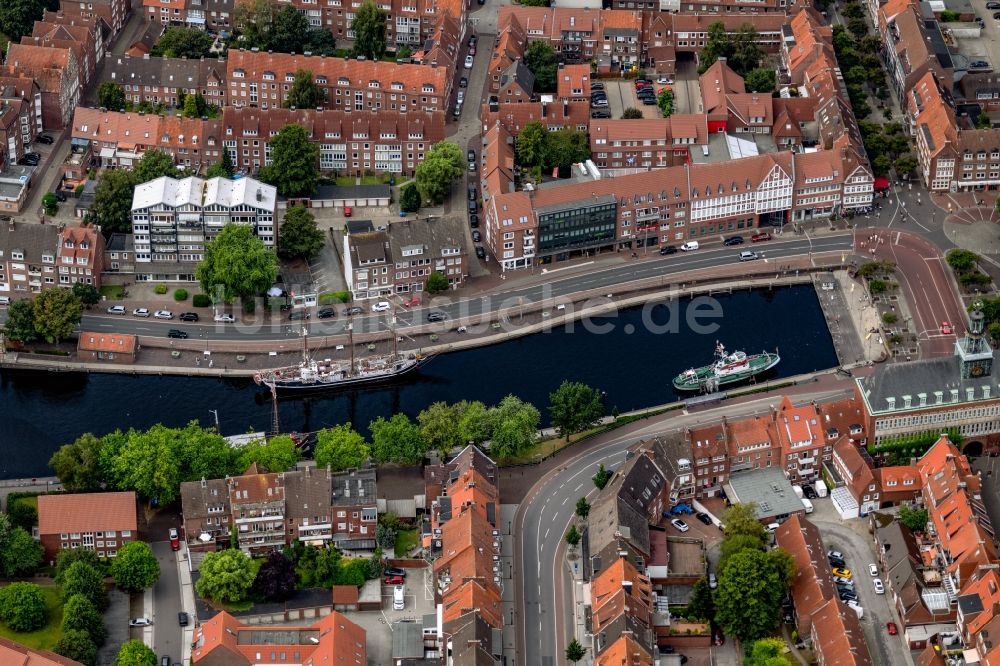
[
  {"x": 808, "y": 505},
  {"x": 689, "y": 246},
  {"x": 748, "y": 255},
  {"x": 398, "y": 601},
  {"x": 772, "y": 527},
  {"x": 4, "y": 300}
]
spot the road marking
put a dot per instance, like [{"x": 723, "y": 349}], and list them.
[
  {"x": 546, "y": 533},
  {"x": 564, "y": 500},
  {"x": 579, "y": 486}
]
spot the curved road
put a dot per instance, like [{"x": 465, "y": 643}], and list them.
[
  {"x": 543, "y": 607},
  {"x": 553, "y": 288}
]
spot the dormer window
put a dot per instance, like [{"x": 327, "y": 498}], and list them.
[
  {"x": 427, "y": 88},
  {"x": 373, "y": 84},
  {"x": 343, "y": 81}
]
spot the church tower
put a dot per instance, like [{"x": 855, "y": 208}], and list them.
[{"x": 973, "y": 350}]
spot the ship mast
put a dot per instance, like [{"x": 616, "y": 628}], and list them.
[
  {"x": 392, "y": 331},
  {"x": 350, "y": 344},
  {"x": 305, "y": 345}
]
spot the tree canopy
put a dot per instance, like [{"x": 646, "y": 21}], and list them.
[
  {"x": 914, "y": 519},
  {"x": 294, "y": 158},
  {"x": 22, "y": 606},
  {"x": 305, "y": 93},
  {"x": 748, "y": 598},
  {"x": 238, "y": 262},
  {"x": 81, "y": 578},
  {"x": 409, "y": 199},
  {"x": 369, "y": 31},
  {"x": 226, "y": 576},
  {"x": 80, "y": 614},
  {"x": 574, "y": 406},
  {"x": 20, "y": 324},
  {"x": 111, "y": 96},
  {"x": 183, "y": 42},
  {"x": 340, "y": 447},
  {"x": 77, "y": 645},
  {"x": 540, "y": 58},
  {"x": 224, "y": 167},
  {"x": 135, "y": 653},
  {"x": 443, "y": 164},
  {"x": 112, "y": 207},
  {"x": 299, "y": 237},
  {"x": 153, "y": 164},
  {"x": 398, "y": 440},
  {"x": 761, "y": 80},
  {"x": 57, "y": 312},
  {"x": 276, "y": 578},
  {"x": 741, "y": 49},
  {"x": 277, "y": 454},
  {"x": 268, "y": 26},
  {"x": 514, "y": 425},
  {"x": 631, "y": 113},
  {"x": 439, "y": 424},
  {"x": 135, "y": 568},
  {"x": 18, "y": 16},
  {"x": 767, "y": 652}
]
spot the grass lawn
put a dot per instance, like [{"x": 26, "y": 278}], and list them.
[
  {"x": 346, "y": 181},
  {"x": 406, "y": 541},
  {"x": 113, "y": 292},
  {"x": 374, "y": 180},
  {"x": 30, "y": 501},
  {"x": 46, "y": 637}
]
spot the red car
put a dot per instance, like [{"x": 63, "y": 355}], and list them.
[
  {"x": 946, "y": 328},
  {"x": 175, "y": 542},
  {"x": 891, "y": 626},
  {"x": 761, "y": 236},
  {"x": 411, "y": 302},
  {"x": 347, "y": 211},
  {"x": 395, "y": 580}
]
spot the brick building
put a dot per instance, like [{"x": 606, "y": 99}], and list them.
[
  {"x": 162, "y": 80},
  {"x": 80, "y": 257},
  {"x": 113, "y": 12},
  {"x": 27, "y": 258},
  {"x": 102, "y": 522},
  {"x": 57, "y": 73},
  {"x": 117, "y": 348}
]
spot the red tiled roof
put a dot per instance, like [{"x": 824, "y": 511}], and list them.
[
  {"x": 121, "y": 343},
  {"x": 15, "y": 654},
  {"x": 87, "y": 512}
]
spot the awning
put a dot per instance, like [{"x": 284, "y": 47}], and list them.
[
  {"x": 107, "y": 152},
  {"x": 881, "y": 183},
  {"x": 76, "y": 141}
]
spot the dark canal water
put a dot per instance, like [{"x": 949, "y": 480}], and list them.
[{"x": 631, "y": 363}]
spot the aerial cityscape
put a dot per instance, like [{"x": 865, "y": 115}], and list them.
[{"x": 499, "y": 333}]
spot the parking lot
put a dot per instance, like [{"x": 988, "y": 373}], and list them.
[{"x": 621, "y": 96}]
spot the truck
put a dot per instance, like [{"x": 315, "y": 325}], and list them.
[
  {"x": 798, "y": 491},
  {"x": 820, "y": 488}
]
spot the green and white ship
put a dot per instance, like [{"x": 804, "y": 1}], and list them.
[{"x": 727, "y": 369}]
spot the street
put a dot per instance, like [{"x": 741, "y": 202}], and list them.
[{"x": 166, "y": 604}]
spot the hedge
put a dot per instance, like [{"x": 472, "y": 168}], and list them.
[
  {"x": 180, "y": 295},
  {"x": 160, "y": 289},
  {"x": 201, "y": 301}
]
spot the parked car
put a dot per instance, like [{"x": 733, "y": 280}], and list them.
[
  {"x": 224, "y": 318},
  {"x": 690, "y": 246},
  {"x": 836, "y": 562},
  {"x": 476, "y": 236},
  {"x": 326, "y": 313},
  {"x": 394, "y": 571},
  {"x": 879, "y": 587},
  {"x": 473, "y": 220},
  {"x": 398, "y": 598},
  {"x": 668, "y": 249},
  {"x": 649, "y": 102},
  {"x": 188, "y": 316},
  {"x": 469, "y": 60},
  {"x": 463, "y": 82},
  {"x": 480, "y": 252},
  {"x": 140, "y": 622},
  {"x": 473, "y": 206},
  {"x": 116, "y": 310},
  {"x": 394, "y": 580},
  {"x": 979, "y": 64},
  {"x": 946, "y": 328},
  {"x": 891, "y": 628},
  {"x": 718, "y": 638},
  {"x": 760, "y": 236},
  {"x": 597, "y": 85},
  {"x": 873, "y": 570},
  {"x": 163, "y": 314},
  {"x": 733, "y": 240},
  {"x": 178, "y": 334},
  {"x": 140, "y": 312},
  {"x": 473, "y": 40},
  {"x": 298, "y": 315},
  {"x": 175, "y": 541},
  {"x": 381, "y": 306},
  {"x": 846, "y": 582},
  {"x": 350, "y": 312},
  {"x": 844, "y": 573},
  {"x": 48, "y": 140},
  {"x": 680, "y": 525},
  {"x": 461, "y": 96},
  {"x": 59, "y": 196},
  {"x": 471, "y": 156},
  {"x": 165, "y": 660},
  {"x": 748, "y": 256},
  {"x": 713, "y": 582},
  {"x": 846, "y": 595},
  {"x": 993, "y": 5},
  {"x": 703, "y": 517},
  {"x": 600, "y": 113},
  {"x": 436, "y": 315},
  {"x": 835, "y": 553},
  {"x": 412, "y": 301},
  {"x": 808, "y": 491},
  {"x": 183, "y": 619}
]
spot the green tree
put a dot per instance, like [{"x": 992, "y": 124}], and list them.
[
  {"x": 20, "y": 325},
  {"x": 436, "y": 283},
  {"x": 631, "y": 113},
  {"x": 340, "y": 448},
  {"x": 294, "y": 158},
  {"x": 748, "y": 598},
  {"x": 767, "y": 652},
  {"x": 111, "y": 96},
  {"x": 183, "y": 42},
  {"x": 80, "y": 614},
  {"x": 531, "y": 145},
  {"x": 602, "y": 477},
  {"x": 514, "y": 427},
  {"x": 442, "y": 165},
  {"x": 566, "y": 147},
  {"x": 224, "y": 167},
  {"x": 305, "y": 93},
  {"x": 439, "y": 425},
  {"x": 153, "y": 164},
  {"x": 112, "y": 207},
  {"x": 573, "y": 535},
  {"x": 190, "y": 108},
  {"x": 81, "y": 578},
  {"x": 50, "y": 204},
  {"x": 962, "y": 261},
  {"x": 741, "y": 49},
  {"x": 574, "y": 406},
  {"x": 17, "y": 17},
  {"x": 385, "y": 537},
  {"x": 149, "y": 465},
  {"x": 915, "y": 519},
  {"x": 905, "y": 165},
  {"x": 22, "y": 515},
  {"x": 665, "y": 100},
  {"x": 701, "y": 606},
  {"x": 78, "y": 465},
  {"x": 57, "y": 312},
  {"x": 238, "y": 262},
  {"x": 540, "y": 58},
  {"x": 409, "y": 199},
  {"x": 473, "y": 422},
  {"x": 65, "y": 558},
  {"x": 226, "y": 576},
  {"x": 135, "y": 567},
  {"x": 22, "y": 607},
  {"x": 289, "y": 31},
  {"x": 736, "y": 543},
  {"x": 741, "y": 518},
  {"x": 277, "y": 454},
  {"x": 254, "y": 20},
  {"x": 21, "y": 555},
  {"x": 135, "y": 653},
  {"x": 87, "y": 293},
  {"x": 397, "y": 440},
  {"x": 582, "y": 508},
  {"x": 369, "y": 31},
  {"x": 300, "y": 237},
  {"x": 575, "y": 652},
  {"x": 76, "y": 645},
  {"x": 761, "y": 80}
]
